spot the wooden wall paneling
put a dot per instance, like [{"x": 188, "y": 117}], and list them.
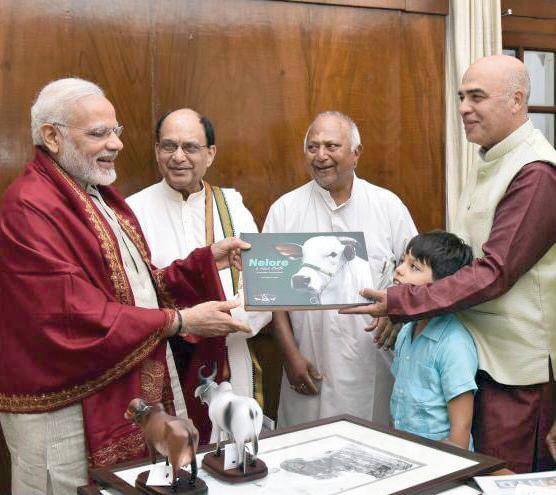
[
  {"x": 72, "y": 38},
  {"x": 421, "y": 180},
  {"x": 242, "y": 70},
  {"x": 266, "y": 75},
  {"x": 376, "y": 4},
  {"x": 441, "y": 7},
  {"x": 29, "y": 57},
  {"x": 423, "y": 6},
  {"x": 112, "y": 46},
  {"x": 529, "y": 32}
]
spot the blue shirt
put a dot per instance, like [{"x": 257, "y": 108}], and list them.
[{"x": 435, "y": 367}]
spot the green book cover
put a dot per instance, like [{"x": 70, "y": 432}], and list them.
[{"x": 318, "y": 270}]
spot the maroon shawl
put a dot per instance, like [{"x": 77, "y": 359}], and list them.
[{"x": 68, "y": 325}]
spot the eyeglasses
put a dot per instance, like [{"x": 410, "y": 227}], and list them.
[
  {"x": 97, "y": 132},
  {"x": 187, "y": 148}
]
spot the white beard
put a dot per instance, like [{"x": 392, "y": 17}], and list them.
[{"x": 83, "y": 168}]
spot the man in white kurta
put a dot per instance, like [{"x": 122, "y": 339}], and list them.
[
  {"x": 350, "y": 373},
  {"x": 172, "y": 214}
]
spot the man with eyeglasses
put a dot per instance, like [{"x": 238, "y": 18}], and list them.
[
  {"x": 331, "y": 366},
  {"x": 183, "y": 212},
  {"x": 81, "y": 327}
]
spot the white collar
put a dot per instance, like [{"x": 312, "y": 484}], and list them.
[
  {"x": 177, "y": 196},
  {"x": 327, "y": 198}
]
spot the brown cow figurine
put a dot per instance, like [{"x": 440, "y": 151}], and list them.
[{"x": 173, "y": 437}]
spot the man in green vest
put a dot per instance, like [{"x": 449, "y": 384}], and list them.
[
  {"x": 507, "y": 296},
  {"x": 179, "y": 214}
]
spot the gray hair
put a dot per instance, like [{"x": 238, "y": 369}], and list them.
[
  {"x": 519, "y": 80},
  {"x": 54, "y": 103},
  {"x": 355, "y": 136}
]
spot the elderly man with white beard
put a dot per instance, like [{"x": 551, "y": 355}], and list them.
[{"x": 81, "y": 321}]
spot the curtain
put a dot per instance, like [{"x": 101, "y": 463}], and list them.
[{"x": 473, "y": 30}]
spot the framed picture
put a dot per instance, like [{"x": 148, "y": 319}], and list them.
[{"x": 343, "y": 454}]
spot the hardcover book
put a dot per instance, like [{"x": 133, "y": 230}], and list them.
[{"x": 323, "y": 270}]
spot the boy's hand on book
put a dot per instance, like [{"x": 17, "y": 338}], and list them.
[
  {"x": 302, "y": 375},
  {"x": 385, "y": 332},
  {"x": 376, "y": 308}
]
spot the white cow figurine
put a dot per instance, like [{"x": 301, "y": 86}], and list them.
[
  {"x": 330, "y": 268},
  {"x": 241, "y": 418}
]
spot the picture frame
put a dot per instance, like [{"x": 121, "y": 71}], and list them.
[{"x": 342, "y": 454}]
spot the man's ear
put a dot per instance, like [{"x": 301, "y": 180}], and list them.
[
  {"x": 518, "y": 101},
  {"x": 211, "y": 152},
  {"x": 51, "y": 138},
  {"x": 157, "y": 158},
  {"x": 357, "y": 153}
]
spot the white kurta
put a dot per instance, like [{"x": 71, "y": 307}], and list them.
[
  {"x": 356, "y": 375},
  {"x": 173, "y": 228}
]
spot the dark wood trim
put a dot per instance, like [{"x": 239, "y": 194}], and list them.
[
  {"x": 105, "y": 476},
  {"x": 515, "y": 24},
  {"x": 440, "y": 7},
  {"x": 528, "y": 40},
  {"x": 372, "y": 4},
  {"x": 541, "y": 109},
  {"x": 540, "y": 9},
  {"x": 436, "y": 7}
]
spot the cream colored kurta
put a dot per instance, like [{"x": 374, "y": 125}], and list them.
[
  {"x": 55, "y": 463},
  {"x": 516, "y": 332},
  {"x": 357, "y": 378},
  {"x": 173, "y": 228}
]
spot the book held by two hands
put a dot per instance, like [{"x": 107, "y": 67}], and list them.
[{"x": 300, "y": 271}]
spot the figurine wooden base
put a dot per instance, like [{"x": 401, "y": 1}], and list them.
[
  {"x": 215, "y": 465},
  {"x": 199, "y": 487}
]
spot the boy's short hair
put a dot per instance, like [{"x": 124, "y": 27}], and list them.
[{"x": 444, "y": 252}]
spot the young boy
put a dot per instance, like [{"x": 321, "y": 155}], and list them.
[{"x": 435, "y": 360}]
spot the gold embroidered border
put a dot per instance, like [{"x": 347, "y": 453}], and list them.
[
  {"x": 56, "y": 400},
  {"x": 227, "y": 227},
  {"x": 120, "y": 450},
  {"x": 135, "y": 237},
  {"x": 209, "y": 216},
  {"x": 109, "y": 250},
  {"x": 152, "y": 381},
  {"x": 166, "y": 300}
]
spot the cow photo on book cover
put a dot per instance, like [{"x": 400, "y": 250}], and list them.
[{"x": 329, "y": 266}]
